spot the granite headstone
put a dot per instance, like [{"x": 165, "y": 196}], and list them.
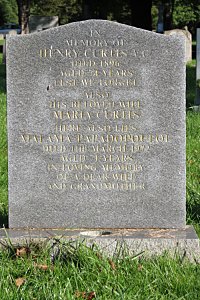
[{"x": 96, "y": 128}]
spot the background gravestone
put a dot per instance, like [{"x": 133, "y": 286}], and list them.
[
  {"x": 188, "y": 41},
  {"x": 12, "y": 32},
  {"x": 96, "y": 128}
]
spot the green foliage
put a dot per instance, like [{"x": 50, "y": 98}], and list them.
[
  {"x": 8, "y": 11},
  {"x": 118, "y": 10},
  {"x": 154, "y": 14},
  {"x": 66, "y": 10},
  {"x": 193, "y": 167},
  {"x": 186, "y": 13},
  {"x": 72, "y": 10}
]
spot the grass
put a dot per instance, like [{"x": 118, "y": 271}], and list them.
[
  {"x": 192, "y": 151},
  {"x": 84, "y": 273},
  {"x": 193, "y": 169}
]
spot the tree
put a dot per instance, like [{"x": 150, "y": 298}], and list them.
[
  {"x": 168, "y": 14},
  {"x": 180, "y": 13},
  {"x": 186, "y": 13},
  {"x": 96, "y": 9},
  {"x": 66, "y": 10},
  {"x": 141, "y": 13},
  {"x": 23, "y": 14},
  {"x": 176, "y": 14},
  {"x": 8, "y": 11}
]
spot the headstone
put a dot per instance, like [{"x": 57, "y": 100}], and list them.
[
  {"x": 188, "y": 41},
  {"x": 1, "y": 37},
  {"x": 96, "y": 128},
  {"x": 197, "y": 99},
  {"x": 39, "y": 23}
]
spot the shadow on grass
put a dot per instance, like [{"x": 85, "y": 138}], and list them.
[
  {"x": 193, "y": 213},
  {"x": 3, "y": 220},
  {"x": 190, "y": 84}
]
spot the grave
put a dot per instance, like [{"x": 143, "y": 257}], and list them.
[
  {"x": 188, "y": 41},
  {"x": 96, "y": 128}
]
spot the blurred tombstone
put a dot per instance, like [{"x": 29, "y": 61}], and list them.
[
  {"x": 12, "y": 32},
  {"x": 1, "y": 37},
  {"x": 39, "y": 23},
  {"x": 188, "y": 41}
]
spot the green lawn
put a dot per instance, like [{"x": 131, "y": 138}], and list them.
[
  {"x": 80, "y": 272},
  {"x": 193, "y": 169},
  {"x": 192, "y": 151},
  {"x": 83, "y": 273}
]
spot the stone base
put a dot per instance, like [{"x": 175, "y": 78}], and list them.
[{"x": 148, "y": 242}]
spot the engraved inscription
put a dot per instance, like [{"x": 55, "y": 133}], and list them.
[{"x": 96, "y": 140}]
